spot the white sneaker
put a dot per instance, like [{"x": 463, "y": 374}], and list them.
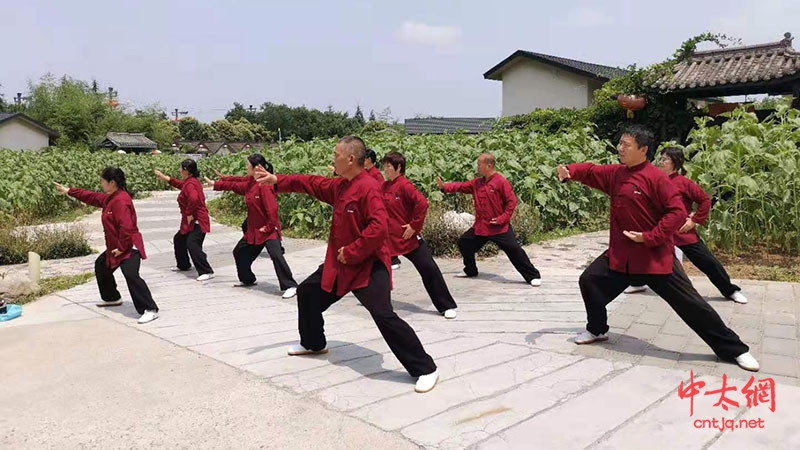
[
  {"x": 589, "y": 338},
  {"x": 427, "y": 382},
  {"x": 296, "y": 350},
  {"x": 205, "y": 277},
  {"x": 395, "y": 266},
  {"x": 240, "y": 284},
  {"x": 450, "y": 314},
  {"x": 148, "y": 316},
  {"x": 747, "y": 362},
  {"x": 536, "y": 282},
  {"x": 175, "y": 269},
  {"x": 463, "y": 275},
  {"x": 289, "y": 293},
  {"x": 635, "y": 289},
  {"x": 738, "y": 297}
]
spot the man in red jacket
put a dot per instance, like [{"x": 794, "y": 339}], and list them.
[
  {"x": 407, "y": 208},
  {"x": 495, "y": 202},
  {"x": 357, "y": 260},
  {"x": 646, "y": 211}
]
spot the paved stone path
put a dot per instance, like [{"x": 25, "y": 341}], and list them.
[{"x": 511, "y": 378}]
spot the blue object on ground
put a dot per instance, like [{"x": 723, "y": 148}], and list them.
[{"x": 13, "y": 312}]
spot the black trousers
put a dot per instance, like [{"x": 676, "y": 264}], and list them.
[
  {"x": 312, "y": 301},
  {"x": 191, "y": 244},
  {"x": 469, "y": 244},
  {"x": 140, "y": 293},
  {"x": 245, "y": 254},
  {"x": 432, "y": 278},
  {"x": 600, "y": 285},
  {"x": 702, "y": 258}
]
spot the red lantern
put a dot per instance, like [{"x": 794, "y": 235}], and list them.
[{"x": 631, "y": 103}]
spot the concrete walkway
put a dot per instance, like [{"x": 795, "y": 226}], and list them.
[{"x": 511, "y": 378}]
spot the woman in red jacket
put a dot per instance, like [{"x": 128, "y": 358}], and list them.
[
  {"x": 195, "y": 224},
  {"x": 124, "y": 243},
  {"x": 263, "y": 227}
]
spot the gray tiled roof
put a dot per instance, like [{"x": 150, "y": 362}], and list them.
[
  {"x": 587, "y": 69},
  {"x": 441, "y": 125},
  {"x": 130, "y": 140},
  {"x": 735, "y": 66},
  {"x": 36, "y": 123}
]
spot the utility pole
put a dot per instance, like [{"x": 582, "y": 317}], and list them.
[{"x": 177, "y": 114}]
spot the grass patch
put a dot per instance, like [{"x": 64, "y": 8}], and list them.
[
  {"x": 54, "y": 284},
  {"x": 755, "y": 264},
  {"x": 48, "y": 242},
  {"x": 71, "y": 215}
]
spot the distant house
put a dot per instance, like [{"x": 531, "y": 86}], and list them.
[
  {"x": 127, "y": 142},
  {"x": 20, "y": 132},
  {"x": 536, "y": 81},
  {"x": 220, "y": 148},
  {"x": 442, "y": 125}
]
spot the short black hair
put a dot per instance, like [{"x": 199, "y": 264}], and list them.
[
  {"x": 357, "y": 146},
  {"x": 257, "y": 159},
  {"x": 676, "y": 156},
  {"x": 372, "y": 156},
  {"x": 116, "y": 175},
  {"x": 190, "y": 166},
  {"x": 643, "y": 137},
  {"x": 396, "y": 160}
]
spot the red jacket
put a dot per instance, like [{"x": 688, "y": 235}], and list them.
[
  {"x": 262, "y": 208},
  {"x": 119, "y": 223},
  {"x": 359, "y": 225},
  {"x": 406, "y": 206},
  {"x": 493, "y": 199},
  {"x": 642, "y": 199},
  {"x": 374, "y": 172},
  {"x": 192, "y": 202},
  {"x": 690, "y": 194}
]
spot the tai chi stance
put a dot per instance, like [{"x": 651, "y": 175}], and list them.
[
  {"x": 646, "y": 211},
  {"x": 195, "y": 223},
  {"x": 357, "y": 260},
  {"x": 124, "y": 243},
  {"x": 494, "y": 202}
]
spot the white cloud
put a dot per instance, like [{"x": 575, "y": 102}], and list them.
[
  {"x": 421, "y": 33},
  {"x": 584, "y": 17}
]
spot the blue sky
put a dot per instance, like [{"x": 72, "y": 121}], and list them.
[{"x": 415, "y": 57}]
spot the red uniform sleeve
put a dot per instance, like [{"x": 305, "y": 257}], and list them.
[
  {"x": 419, "y": 205},
  {"x": 319, "y": 187},
  {"x": 176, "y": 183},
  {"x": 462, "y": 187},
  {"x": 674, "y": 215},
  {"x": 593, "y": 175},
  {"x": 510, "y": 204},
  {"x": 239, "y": 187},
  {"x": 699, "y": 196},
  {"x": 234, "y": 178},
  {"x": 92, "y": 198},
  {"x": 374, "y": 235}
]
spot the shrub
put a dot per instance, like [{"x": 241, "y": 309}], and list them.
[{"x": 48, "y": 242}]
